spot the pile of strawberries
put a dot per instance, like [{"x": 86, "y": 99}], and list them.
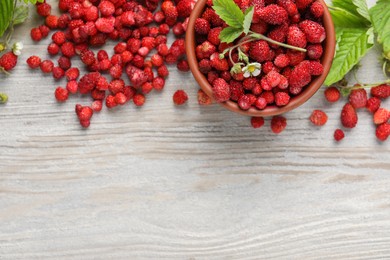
[
  {"x": 357, "y": 100},
  {"x": 284, "y": 72},
  {"x": 141, "y": 52}
]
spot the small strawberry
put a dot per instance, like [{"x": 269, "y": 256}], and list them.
[
  {"x": 316, "y": 68},
  {"x": 202, "y": 26},
  {"x": 314, "y": 51},
  {"x": 338, "y": 135},
  {"x": 382, "y": 115},
  {"x": 273, "y": 78},
  {"x": 180, "y": 97},
  {"x": 219, "y": 64},
  {"x": 383, "y": 131},
  {"x": 332, "y": 94},
  {"x": 213, "y": 36},
  {"x": 260, "y": 51},
  {"x": 358, "y": 98},
  {"x": 282, "y": 99},
  {"x": 318, "y": 118},
  {"x": 203, "y": 98},
  {"x": 290, "y": 6},
  {"x": 184, "y": 7},
  {"x": 296, "y": 37},
  {"x": 300, "y": 76},
  {"x": 8, "y": 61},
  {"x": 349, "y": 117},
  {"x": 315, "y": 32},
  {"x": 302, "y": 4},
  {"x": 317, "y": 9},
  {"x": 281, "y": 61},
  {"x": 279, "y": 34},
  {"x": 257, "y": 122},
  {"x": 272, "y": 14},
  {"x": 278, "y": 124},
  {"x": 373, "y": 104},
  {"x": 221, "y": 90},
  {"x": 381, "y": 91}
]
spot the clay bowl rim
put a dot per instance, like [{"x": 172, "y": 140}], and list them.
[{"x": 310, "y": 90}]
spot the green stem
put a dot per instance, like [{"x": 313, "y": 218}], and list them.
[
  {"x": 360, "y": 86},
  {"x": 262, "y": 37}
]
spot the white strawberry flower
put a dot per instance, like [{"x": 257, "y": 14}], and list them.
[
  {"x": 252, "y": 69},
  {"x": 17, "y": 48}
]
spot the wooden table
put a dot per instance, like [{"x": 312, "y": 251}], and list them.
[{"x": 191, "y": 182}]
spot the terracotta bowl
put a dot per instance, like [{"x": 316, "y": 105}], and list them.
[{"x": 309, "y": 91}]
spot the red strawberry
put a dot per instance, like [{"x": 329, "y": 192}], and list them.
[
  {"x": 373, "y": 104},
  {"x": 318, "y": 118},
  {"x": 282, "y": 61},
  {"x": 358, "y": 98},
  {"x": 314, "y": 51},
  {"x": 332, "y": 94},
  {"x": 289, "y": 5},
  {"x": 279, "y": 34},
  {"x": 300, "y": 76},
  {"x": 349, "y": 117},
  {"x": 315, "y": 32},
  {"x": 317, "y": 9},
  {"x": 278, "y": 124},
  {"x": 382, "y": 115},
  {"x": 282, "y": 99},
  {"x": 383, "y": 131},
  {"x": 219, "y": 64},
  {"x": 257, "y": 122},
  {"x": 202, "y": 26},
  {"x": 381, "y": 91},
  {"x": 260, "y": 51},
  {"x": 316, "y": 68},
  {"x": 296, "y": 37},
  {"x": 338, "y": 135},
  {"x": 272, "y": 14},
  {"x": 184, "y": 7},
  {"x": 203, "y": 98},
  {"x": 302, "y": 4},
  {"x": 221, "y": 90},
  {"x": 8, "y": 61}
]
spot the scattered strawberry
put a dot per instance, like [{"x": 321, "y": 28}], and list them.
[
  {"x": 381, "y": 91},
  {"x": 383, "y": 131},
  {"x": 8, "y": 61},
  {"x": 203, "y": 98},
  {"x": 338, "y": 135},
  {"x": 382, "y": 115},
  {"x": 278, "y": 124},
  {"x": 349, "y": 117},
  {"x": 332, "y": 94},
  {"x": 373, "y": 104},
  {"x": 180, "y": 97},
  {"x": 358, "y": 98},
  {"x": 318, "y": 118},
  {"x": 257, "y": 122}
]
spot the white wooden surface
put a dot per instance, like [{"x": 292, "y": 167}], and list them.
[{"x": 193, "y": 182}]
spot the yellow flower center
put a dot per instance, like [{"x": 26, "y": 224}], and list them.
[{"x": 251, "y": 68}]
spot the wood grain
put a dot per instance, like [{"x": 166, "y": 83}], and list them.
[{"x": 163, "y": 182}]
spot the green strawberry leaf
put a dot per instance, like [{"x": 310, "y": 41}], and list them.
[
  {"x": 362, "y": 8},
  {"x": 229, "y": 12},
  {"x": 356, "y": 7},
  {"x": 380, "y": 16},
  {"x": 229, "y": 34},
  {"x": 345, "y": 19},
  {"x": 21, "y": 14},
  {"x": 248, "y": 19},
  {"x": 352, "y": 45},
  {"x": 6, "y": 12}
]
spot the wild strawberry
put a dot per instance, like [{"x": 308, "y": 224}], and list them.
[
  {"x": 210, "y": 15},
  {"x": 381, "y": 91},
  {"x": 244, "y": 102},
  {"x": 33, "y": 62},
  {"x": 314, "y": 51},
  {"x": 373, "y": 104},
  {"x": 72, "y": 74},
  {"x": 68, "y": 49},
  {"x": 163, "y": 71},
  {"x": 338, "y": 135},
  {"x": 58, "y": 73},
  {"x": 105, "y": 25},
  {"x": 203, "y": 98},
  {"x": 110, "y": 101},
  {"x": 382, "y": 115},
  {"x": 171, "y": 15},
  {"x": 283, "y": 84},
  {"x": 282, "y": 99},
  {"x": 44, "y": 30},
  {"x": 116, "y": 86},
  {"x": 137, "y": 77},
  {"x": 272, "y": 14},
  {"x": 273, "y": 78},
  {"x": 43, "y": 9},
  {"x": 300, "y": 76},
  {"x": 72, "y": 86},
  {"x": 302, "y": 4},
  {"x": 332, "y": 94},
  {"x": 64, "y": 63},
  {"x": 260, "y": 27},
  {"x": 158, "y": 83},
  {"x": 316, "y": 68},
  {"x": 139, "y": 100},
  {"x": 97, "y": 105},
  {"x": 221, "y": 90},
  {"x": 257, "y": 122},
  {"x": 317, "y": 9},
  {"x": 358, "y": 98},
  {"x": 51, "y": 21},
  {"x": 279, "y": 34},
  {"x": 204, "y": 50},
  {"x": 260, "y": 51},
  {"x": 265, "y": 85},
  {"x": 183, "y": 66},
  {"x": 184, "y": 7},
  {"x": 268, "y": 96},
  {"x": 46, "y": 66},
  {"x": 315, "y": 32},
  {"x": 282, "y": 61},
  {"x": 318, "y": 118},
  {"x": 383, "y": 131},
  {"x": 213, "y": 36},
  {"x": 180, "y": 97},
  {"x": 120, "y": 98},
  {"x": 36, "y": 34},
  {"x": 61, "y": 94},
  {"x": 268, "y": 67},
  {"x": 219, "y": 64},
  {"x": 278, "y": 124},
  {"x": 295, "y": 57},
  {"x": 289, "y": 5},
  {"x": 106, "y": 8},
  {"x": 296, "y": 37},
  {"x": 348, "y": 117},
  {"x": 261, "y": 103},
  {"x": 8, "y": 61}
]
